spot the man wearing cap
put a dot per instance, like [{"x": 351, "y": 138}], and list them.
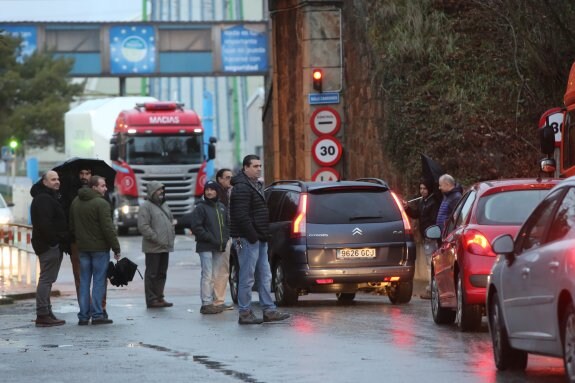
[
  {"x": 210, "y": 227},
  {"x": 156, "y": 224}
]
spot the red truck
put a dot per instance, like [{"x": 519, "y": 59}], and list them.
[{"x": 157, "y": 141}]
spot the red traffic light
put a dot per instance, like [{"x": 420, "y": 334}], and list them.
[{"x": 317, "y": 75}]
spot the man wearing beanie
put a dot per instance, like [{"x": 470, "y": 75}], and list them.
[
  {"x": 156, "y": 224},
  {"x": 210, "y": 227}
]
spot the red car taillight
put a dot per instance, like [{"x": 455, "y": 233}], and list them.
[
  {"x": 299, "y": 223},
  {"x": 406, "y": 223},
  {"x": 476, "y": 243}
]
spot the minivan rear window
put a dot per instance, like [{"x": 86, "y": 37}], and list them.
[{"x": 353, "y": 206}]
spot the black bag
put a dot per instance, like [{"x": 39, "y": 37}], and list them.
[{"x": 122, "y": 272}]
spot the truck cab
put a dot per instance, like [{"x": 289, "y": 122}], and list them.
[{"x": 157, "y": 141}]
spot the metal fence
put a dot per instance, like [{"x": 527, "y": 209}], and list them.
[{"x": 19, "y": 266}]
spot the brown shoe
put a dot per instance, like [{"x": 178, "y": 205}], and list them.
[
  {"x": 48, "y": 321},
  {"x": 155, "y": 305},
  {"x": 165, "y": 303}
]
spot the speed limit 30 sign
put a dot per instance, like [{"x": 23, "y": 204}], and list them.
[{"x": 326, "y": 150}]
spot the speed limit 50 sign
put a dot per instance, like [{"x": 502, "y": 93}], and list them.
[{"x": 326, "y": 150}]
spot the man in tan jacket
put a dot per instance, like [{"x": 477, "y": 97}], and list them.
[{"x": 156, "y": 224}]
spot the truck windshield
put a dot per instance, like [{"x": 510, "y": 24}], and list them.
[{"x": 164, "y": 150}]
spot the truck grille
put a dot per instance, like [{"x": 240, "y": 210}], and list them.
[{"x": 180, "y": 189}]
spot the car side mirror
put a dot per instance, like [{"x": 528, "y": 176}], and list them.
[
  {"x": 504, "y": 245},
  {"x": 433, "y": 232}
]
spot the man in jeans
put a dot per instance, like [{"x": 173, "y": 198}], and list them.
[
  {"x": 211, "y": 230},
  {"x": 92, "y": 226},
  {"x": 250, "y": 231},
  {"x": 49, "y": 235}
]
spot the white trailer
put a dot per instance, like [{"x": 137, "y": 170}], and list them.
[{"x": 90, "y": 125}]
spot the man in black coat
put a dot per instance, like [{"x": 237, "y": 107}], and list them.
[
  {"x": 50, "y": 236},
  {"x": 426, "y": 212},
  {"x": 250, "y": 231}
]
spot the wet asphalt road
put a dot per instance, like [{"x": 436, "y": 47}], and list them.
[{"x": 368, "y": 340}]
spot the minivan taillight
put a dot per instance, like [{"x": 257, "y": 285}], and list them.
[
  {"x": 476, "y": 243},
  {"x": 299, "y": 222},
  {"x": 406, "y": 223}
]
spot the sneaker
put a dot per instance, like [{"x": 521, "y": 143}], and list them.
[
  {"x": 83, "y": 322},
  {"x": 248, "y": 317},
  {"x": 102, "y": 321},
  {"x": 274, "y": 316},
  {"x": 211, "y": 309},
  {"x": 226, "y": 306}
]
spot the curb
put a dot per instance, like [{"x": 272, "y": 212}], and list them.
[{"x": 10, "y": 298}]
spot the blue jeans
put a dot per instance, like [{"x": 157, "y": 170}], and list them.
[
  {"x": 93, "y": 270},
  {"x": 214, "y": 277},
  {"x": 253, "y": 260}
]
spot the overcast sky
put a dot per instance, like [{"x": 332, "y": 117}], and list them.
[{"x": 70, "y": 10}]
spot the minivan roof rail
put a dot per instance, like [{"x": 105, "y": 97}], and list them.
[
  {"x": 289, "y": 182},
  {"x": 373, "y": 180}
]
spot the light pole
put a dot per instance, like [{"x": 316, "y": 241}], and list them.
[{"x": 13, "y": 147}]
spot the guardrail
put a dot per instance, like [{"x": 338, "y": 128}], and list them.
[{"x": 19, "y": 265}]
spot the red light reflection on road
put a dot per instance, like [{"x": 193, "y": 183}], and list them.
[
  {"x": 403, "y": 330},
  {"x": 302, "y": 325}
]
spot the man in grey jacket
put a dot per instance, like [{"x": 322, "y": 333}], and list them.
[{"x": 156, "y": 224}]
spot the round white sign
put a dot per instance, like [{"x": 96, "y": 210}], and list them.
[
  {"x": 326, "y": 151},
  {"x": 325, "y": 175},
  {"x": 325, "y": 121}
]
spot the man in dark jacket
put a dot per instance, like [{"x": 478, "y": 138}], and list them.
[
  {"x": 49, "y": 236},
  {"x": 426, "y": 213},
  {"x": 156, "y": 224},
  {"x": 250, "y": 230},
  {"x": 451, "y": 195},
  {"x": 91, "y": 224},
  {"x": 211, "y": 229}
]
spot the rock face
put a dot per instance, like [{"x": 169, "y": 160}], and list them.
[{"x": 464, "y": 82}]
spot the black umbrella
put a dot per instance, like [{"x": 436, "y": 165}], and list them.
[
  {"x": 430, "y": 172},
  {"x": 69, "y": 169}
]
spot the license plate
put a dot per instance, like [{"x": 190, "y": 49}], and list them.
[{"x": 355, "y": 253}]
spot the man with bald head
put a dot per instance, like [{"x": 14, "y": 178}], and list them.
[
  {"x": 49, "y": 236},
  {"x": 451, "y": 195}
]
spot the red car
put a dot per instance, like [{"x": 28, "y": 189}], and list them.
[{"x": 463, "y": 261}]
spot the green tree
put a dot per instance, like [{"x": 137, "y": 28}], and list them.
[{"x": 35, "y": 92}]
